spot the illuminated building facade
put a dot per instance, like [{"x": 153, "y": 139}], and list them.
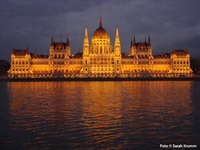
[{"x": 100, "y": 59}]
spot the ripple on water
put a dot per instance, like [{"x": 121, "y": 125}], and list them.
[{"x": 115, "y": 115}]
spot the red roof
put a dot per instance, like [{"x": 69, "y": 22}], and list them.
[
  {"x": 180, "y": 52},
  {"x": 20, "y": 52}
]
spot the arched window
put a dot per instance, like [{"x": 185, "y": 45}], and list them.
[{"x": 112, "y": 60}]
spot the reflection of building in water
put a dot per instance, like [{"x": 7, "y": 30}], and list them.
[
  {"x": 102, "y": 111},
  {"x": 100, "y": 59},
  {"x": 41, "y": 99}
]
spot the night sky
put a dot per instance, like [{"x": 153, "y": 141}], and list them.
[{"x": 170, "y": 23}]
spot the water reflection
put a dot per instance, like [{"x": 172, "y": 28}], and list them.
[{"x": 101, "y": 114}]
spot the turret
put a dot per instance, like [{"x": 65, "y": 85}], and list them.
[
  {"x": 52, "y": 41},
  {"x": 133, "y": 47},
  {"x": 86, "y": 43},
  {"x": 117, "y": 46},
  {"x": 68, "y": 49}
]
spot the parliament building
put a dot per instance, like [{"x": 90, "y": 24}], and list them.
[{"x": 100, "y": 59}]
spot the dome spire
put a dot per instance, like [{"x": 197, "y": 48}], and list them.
[{"x": 100, "y": 23}]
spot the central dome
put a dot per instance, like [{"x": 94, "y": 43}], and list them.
[{"x": 100, "y": 33}]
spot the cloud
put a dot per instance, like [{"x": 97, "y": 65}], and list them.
[{"x": 33, "y": 23}]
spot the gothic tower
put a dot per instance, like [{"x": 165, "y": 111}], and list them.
[
  {"x": 86, "y": 43},
  {"x": 117, "y": 46}
]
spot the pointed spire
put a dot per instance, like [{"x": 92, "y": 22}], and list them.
[
  {"x": 149, "y": 41},
  {"x": 145, "y": 40},
  {"x": 117, "y": 35},
  {"x": 117, "y": 32},
  {"x": 117, "y": 45},
  {"x": 86, "y": 40},
  {"x": 134, "y": 40},
  {"x": 86, "y": 43},
  {"x": 100, "y": 23},
  {"x": 86, "y": 31}
]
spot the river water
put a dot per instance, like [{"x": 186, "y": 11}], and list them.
[{"x": 99, "y": 115}]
